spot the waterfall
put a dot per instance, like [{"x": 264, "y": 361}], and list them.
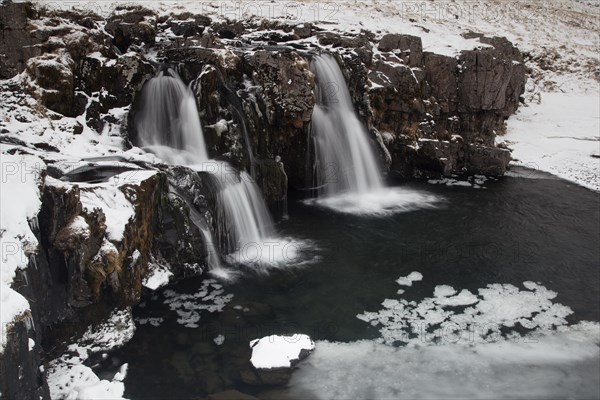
[
  {"x": 345, "y": 160},
  {"x": 168, "y": 126},
  {"x": 212, "y": 256},
  {"x": 243, "y": 217},
  {"x": 168, "y": 123},
  {"x": 348, "y": 177}
]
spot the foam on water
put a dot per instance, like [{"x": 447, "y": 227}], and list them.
[
  {"x": 380, "y": 202},
  {"x": 276, "y": 252}
]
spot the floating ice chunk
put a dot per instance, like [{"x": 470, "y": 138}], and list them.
[
  {"x": 495, "y": 308},
  {"x": 409, "y": 279},
  {"x": 219, "y": 340},
  {"x": 280, "y": 351},
  {"x": 188, "y": 306},
  {"x": 464, "y": 298},
  {"x": 443, "y": 291}
]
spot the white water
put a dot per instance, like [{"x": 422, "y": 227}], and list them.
[
  {"x": 168, "y": 126},
  {"x": 168, "y": 121},
  {"x": 346, "y": 162},
  {"x": 348, "y": 177}
]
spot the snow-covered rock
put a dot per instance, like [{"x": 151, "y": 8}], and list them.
[
  {"x": 158, "y": 276},
  {"x": 277, "y": 351},
  {"x": 20, "y": 200}
]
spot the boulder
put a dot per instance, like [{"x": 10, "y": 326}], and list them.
[
  {"x": 53, "y": 82},
  {"x": 486, "y": 160},
  {"x": 132, "y": 26}
]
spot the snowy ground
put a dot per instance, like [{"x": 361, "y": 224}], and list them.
[{"x": 560, "y": 136}]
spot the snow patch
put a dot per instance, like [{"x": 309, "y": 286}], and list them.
[
  {"x": 68, "y": 378},
  {"x": 158, "y": 276},
  {"x": 20, "y": 203}
]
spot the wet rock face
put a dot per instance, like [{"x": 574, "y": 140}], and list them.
[
  {"x": 286, "y": 87},
  {"x": 253, "y": 107}
]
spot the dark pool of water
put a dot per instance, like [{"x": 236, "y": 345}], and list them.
[{"x": 543, "y": 230}]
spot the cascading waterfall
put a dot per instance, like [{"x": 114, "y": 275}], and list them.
[
  {"x": 168, "y": 126},
  {"x": 348, "y": 177},
  {"x": 168, "y": 123},
  {"x": 346, "y": 163}
]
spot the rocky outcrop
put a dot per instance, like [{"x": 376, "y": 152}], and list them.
[
  {"x": 16, "y": 44},
  {"x": 438, "y": 114},
  {"x": 21, "y": 376},
  {"x": 132, "y": 26}
]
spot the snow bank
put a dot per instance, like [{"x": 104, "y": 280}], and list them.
[
  {"x": 109, "y": 197},
  {"x": 560, "y": 136},
  {"x": 280, "y": 351},
  {"x": 68, "y": 378},
  {"x": 19, "y": 205}
]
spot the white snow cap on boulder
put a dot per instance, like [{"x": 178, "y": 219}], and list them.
[{"x": 277, "y": 351}]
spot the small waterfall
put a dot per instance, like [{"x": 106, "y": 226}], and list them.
[
  {"x": 212, "y": 254},
  {"x": 345, "y": 160},
  {"x": 348, "y": 178},
  {"x": 168, "y": 126},
  {"x": 243, "y": 217},
  {"x": 168, "y": 123}
]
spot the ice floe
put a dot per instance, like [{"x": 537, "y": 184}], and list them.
[
  {"x": 209, "y": 297},
  {"x": 465, "y": 317}
]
